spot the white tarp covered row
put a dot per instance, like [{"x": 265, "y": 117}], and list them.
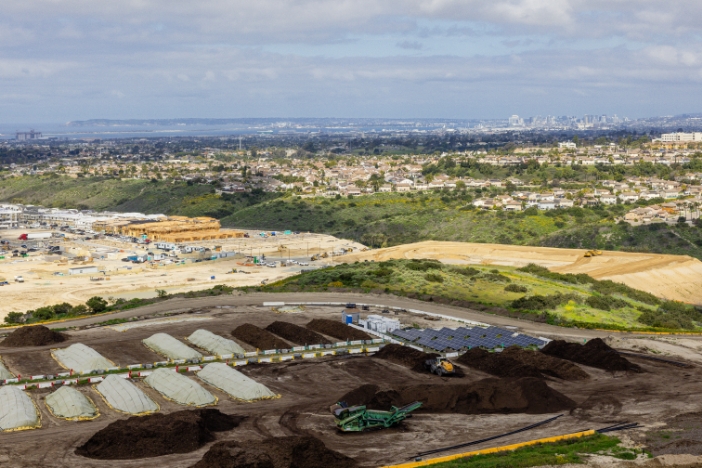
[
  {"x": 234, "y": 383},
  {"x": 168, "y": 346},
  {"x": 81, "y": 358},
  {"x": 215, "y": 344},
  {"x": 17, "y": 411},
  {"x": 5, "y": 373},
  {"x": 123, "y": 395},
  {"x": 179, "y": 388},
  {"x": 69, "y": 403}
]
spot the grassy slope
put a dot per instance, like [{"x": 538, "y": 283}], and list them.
[
  {"x": 468, "y": 288},
  {"x": 378, "y": 220}
]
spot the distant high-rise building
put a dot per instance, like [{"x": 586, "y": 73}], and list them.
[
  {"x": 30, "y": 135},
  {"x": 516, "y": 121}
]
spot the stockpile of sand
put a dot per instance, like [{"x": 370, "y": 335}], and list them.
[
  {"x": 338, "y": 330},
  {"x": 277, "y": 452},
  {"x": 36, "y": 335},
  {"x": 156, "y": 435},
  {"x": 546, "y": 364},
  {"x": 258, "y": 337},
  {"x": 594, "y": 353},
  {"x": 296, "y": 334},
  {"x": 405, "y": 356},
  {"x": 526, "y": 395}
]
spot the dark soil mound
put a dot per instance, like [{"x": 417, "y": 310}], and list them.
[
  {"x": 525, "y": 395},
  {"x": 360, "y": 395},
  {"x": 338, "y": 330},
  {"x": 497, "y": 364},
  {"x": 547, "y": 365},
  {"x": 405, "y": 356},
  {"x": 36, "y": 335},
  {"x": 598, "y": 407},
  {"x": 296, "y": 334},
  {"x": 279, "y": 452},
  {"x": 156, "y": 435},
  {"x": 258, "y": 337},
  {"x": 595, "y": 353}
]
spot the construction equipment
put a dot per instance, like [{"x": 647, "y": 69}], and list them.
[
  {"x": 314, "y": 258},
  {"x": 360, "y": 418},
  {"x": 593, "y": 253},
  {"x": 440, "y": 366}
]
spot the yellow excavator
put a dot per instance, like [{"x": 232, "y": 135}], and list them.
[
  {"x": 440, "y": 366},
  {"x": 593, "y": 253}
]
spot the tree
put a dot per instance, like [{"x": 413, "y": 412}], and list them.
[
  {"x": 62, "y": 309},
  {"x": 80, "y": 309},
  {"x": 161, "y": 293},
  {"x": 96, "y": 304},
  {"x": 14, "y": 317}
]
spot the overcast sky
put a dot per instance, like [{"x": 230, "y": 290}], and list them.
[{"x": 79, "y": 59}]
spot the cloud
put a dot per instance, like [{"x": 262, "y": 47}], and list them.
[
  {"x": 340, "y": 57},
  {"x": 410, "y": 45}
]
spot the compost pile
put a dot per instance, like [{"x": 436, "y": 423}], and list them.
[
  {"x": 546, "y": 364},
  {"x": 405, "y": 356},
  {"x": 36, "y": 335},
  {"x": 258, "y": 337},
  {"x": 157, "y": 435},
  {"x": 296, "y": 334},
  {"x": 276, "y": 452},
  {"x": 526, "y": 395},
  {"x": 337, "y": 330},
  {"x": 594, "y": 353},
  {"x": 496, "y": 364}
]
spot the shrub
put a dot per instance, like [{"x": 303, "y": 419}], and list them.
[
  {"x": 496, "y": 278},
  {"x": 610, "y": 287},
  {"x": 14, "y": 317},
  {"x": 80, "y": 309},
  {"x": 434, "y": 278},
  {"x": 605, "y": 302},
  {"x": 515, "y": 288},
  {"x": 538, "y": 302},
  {"x": 96, "y": 304},
  {"x": 465, "y": 271},
  {"x": 543, "y": 272}
]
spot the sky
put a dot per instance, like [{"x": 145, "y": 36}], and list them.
[{"x": 64, "y": 60}]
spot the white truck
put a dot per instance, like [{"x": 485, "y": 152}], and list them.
[
  {"x": 35, "y": 235},
  {"x": 19, "y": 279}
]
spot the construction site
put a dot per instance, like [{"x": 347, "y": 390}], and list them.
[
  {"x": 324, "y": 380},
  {"x": 73, "y": 267},
  {"x": 176, "y": 229}
]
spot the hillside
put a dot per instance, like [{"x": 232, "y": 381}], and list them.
[
  {"x": 529, "y": 292},
  {"x": 378, "y": 220}
]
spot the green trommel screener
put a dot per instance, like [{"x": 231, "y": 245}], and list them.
[{"x": 360, "y": 418}]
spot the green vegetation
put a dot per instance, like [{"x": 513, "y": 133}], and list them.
[
  {"x": 567, "y": 300},
  {"x": 379, "y": 220},
  {"x": 556, "y": 453}
]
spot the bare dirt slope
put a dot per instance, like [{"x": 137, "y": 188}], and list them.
[{"x": 676, "y": 277}]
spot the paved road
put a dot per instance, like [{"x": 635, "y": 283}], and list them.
[{"x": 538, "y": 329}]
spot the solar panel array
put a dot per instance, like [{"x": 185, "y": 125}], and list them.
[{"x": 466, "y": 338}]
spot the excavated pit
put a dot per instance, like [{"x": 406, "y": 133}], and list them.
[
  {"x": 505, "y": 396},
  {"x": 296, "y": 334},
  {"x": 276, "y": 452},
  {"x": 594, "y": 353},
  {"x": 258, "y": 337},
  {"x": 157, "y": 435},
  {"x": 337, "y": 330},
  {"x": 35, "y": 335}
]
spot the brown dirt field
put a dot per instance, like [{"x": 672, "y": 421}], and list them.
[
  {"x": 337, "y": 330},
  {"x": 296, "y": 334},
  {"x": 653, "y": 398},
  {"x": 157, "y": 435},
  {"x": 37, "y": 335},
  {"x": 258, "y": 337},
  {"x": 525, "y": 395},
  {"x": 276, "y": 452},
  {"x": 677, "y": 277},
  {"x": 594, "y": 353}
]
